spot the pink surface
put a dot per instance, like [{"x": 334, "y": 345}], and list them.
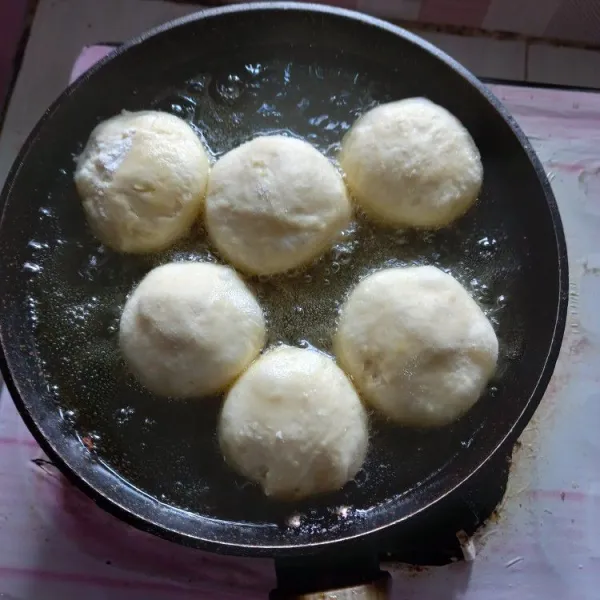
[
  {"x": 88, "y": 57},
  {"x": 56, "y": 544},
  {"x": 12, "y": 21}
]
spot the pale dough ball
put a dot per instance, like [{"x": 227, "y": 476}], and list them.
[
  {"x": 142, "y": 179},
  {"x": 294, "y": 424},
  {"x": 275, "y": 203},
  {"x": 189, "y": 329},
  {"x": 417, "y": 346},
  {"x": 411, "y": 163}
]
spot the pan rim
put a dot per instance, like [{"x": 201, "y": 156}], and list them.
[{"x": 127, "y": 514}]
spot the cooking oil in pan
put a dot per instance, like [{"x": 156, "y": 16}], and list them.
[{"x": 167, "y": 448}]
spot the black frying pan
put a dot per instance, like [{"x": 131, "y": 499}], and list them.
[{"x": 156, "y": 464}]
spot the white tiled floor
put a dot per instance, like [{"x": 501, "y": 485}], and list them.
[
  {"x": 563, "y": 66},
  {"x": 51, "y": 51},
  {"x": 517, "y": 60},
  {"x": 486, "y": 57}
]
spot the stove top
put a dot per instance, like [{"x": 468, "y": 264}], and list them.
[{"x": 55, "y": 543}]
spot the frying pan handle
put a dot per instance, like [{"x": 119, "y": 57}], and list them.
[
  {"x": 379, "y": 589},
  {"x": 328, "y": 576}
]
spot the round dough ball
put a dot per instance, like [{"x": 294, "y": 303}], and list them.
[
  {"x": 275, "y": 203},
  {"x": 294, "y": 424},
  {"x": 189, "y": 329},
  {"x": 417, "y": 346},
  {"x": 142, "y": 179},
  {"x": 411, "y": 163}
]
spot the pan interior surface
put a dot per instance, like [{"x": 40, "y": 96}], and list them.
[{"x": 234, "y": 75}]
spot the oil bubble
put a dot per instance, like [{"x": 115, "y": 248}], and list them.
[{"x": 227, "y": 89}]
